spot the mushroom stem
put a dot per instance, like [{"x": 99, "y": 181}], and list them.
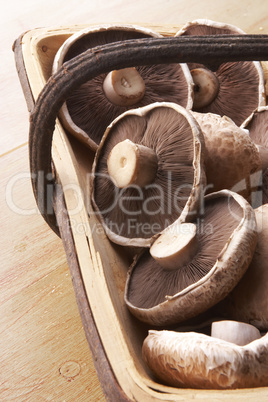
[
  {"x": 132, "y": 164},
  {"x": 236, "y": 332},
  {"x": 206, "y": 87},
  {"x": 263, "y": 152},
  {"x": 124, "y": 87},
  {"x": 176, "y": 246}
]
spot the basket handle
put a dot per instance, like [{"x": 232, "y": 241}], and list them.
[{"x": 102, "y": 59}]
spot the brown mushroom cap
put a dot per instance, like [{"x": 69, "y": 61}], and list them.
[
  {"x": 257, "y": 125},
  {"x": 264, "y": 65},
  {"x": 240, "y": 87},
  {"x": 194, "y": 360},
  {"x": 132, "y": 215},
  {"x": 248, "y": 301},
  {"x": 232, "y": 160},
  {"x": 226, "y": 238},
  {"x": 89, "y": 110}
]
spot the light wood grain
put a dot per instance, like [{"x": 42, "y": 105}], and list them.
[{"x": 44, "y": 354}]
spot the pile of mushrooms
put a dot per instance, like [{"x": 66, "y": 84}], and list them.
[
  {"x": 192, "y": 266},
  {"x": 180, "y": 175},
  {"x": 198, "y": 260},
  {"x": 94, "y": 105}
]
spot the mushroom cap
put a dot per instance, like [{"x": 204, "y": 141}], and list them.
[
  {"x": 195, "y": 360},
  {"x": 264, "y": 65},
  {"x": 241, "y": 84},
  {"x": 248, "y": 301},
  {"x": 204, "y": 26},
  {"x": 226, "y": 235},
  {"x": 134, "y": 215},
  {"x": 232, "y": 159},
  {"x": 257, "y": 126},
  {"x": 87, "y": 111}
]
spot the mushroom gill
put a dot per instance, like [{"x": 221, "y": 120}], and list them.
[
  {"x": 236, "y": 88},
  {"x": 95, "y": 104},
  {"x": 134, "y": 213},
  {"x": 226, "y": 238}
]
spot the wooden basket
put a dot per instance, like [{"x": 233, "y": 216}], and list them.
[{"x": 98, "y": 267}]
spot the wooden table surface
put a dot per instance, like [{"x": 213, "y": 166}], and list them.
[{"x": 44, "y": 355}]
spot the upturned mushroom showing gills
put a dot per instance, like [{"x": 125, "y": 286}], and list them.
[
  {"x": 147, "y": 173},
  {"x": 94, "y": 105},
  {"x": 257, "y": 125},
  {"x": 195, "y": 360},
  {"x": 232, "y": 159},
  {"x": 234, "y": 89},
  {"x": 248, "y": 301},
  {"x": 186, "y": 271}
]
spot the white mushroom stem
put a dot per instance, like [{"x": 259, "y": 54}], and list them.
[
  {"x": 132, "y": 164},
  {"x": 176, "y": 246},
  {"x": 206, "y": 87},
  {"x": 263, "y": 152},
  {"x": 236, "y": 332},
  {"x": 124, "y": 87}
]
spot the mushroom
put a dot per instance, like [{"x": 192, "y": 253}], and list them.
[
  {"x": 257, "y": 126},
  {"x": 248, "y": 302},
  {"x": 195, "y": 360},
  {"x": 236, "y": 332},
  {"x": 264, "y": 65},
  {"x": 234, "y": 89},
  {"x": 147, "y": 173},
  {"x": 232, "y": 159},
  {"x": 187, "y": 271},
  {"x": 94, "y": 105}
]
